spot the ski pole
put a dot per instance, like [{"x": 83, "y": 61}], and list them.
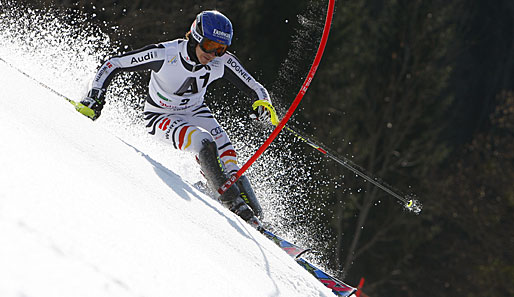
[
  {"x": 37, "y": 81},
  {"x": 78, "y": 106},
  {"x": 410, "y": 204}
]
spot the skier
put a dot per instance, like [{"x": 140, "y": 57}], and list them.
[{"x": 175, "y": 111}]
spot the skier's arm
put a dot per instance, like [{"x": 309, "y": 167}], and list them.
[
  {"x": 237, "y": 74},
  {"x": 150, "y": 57}
]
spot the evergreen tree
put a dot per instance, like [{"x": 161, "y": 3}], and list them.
[{"x": 384, "y": 84}]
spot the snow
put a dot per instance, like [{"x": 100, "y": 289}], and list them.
[{"x": 91, "y": 209}]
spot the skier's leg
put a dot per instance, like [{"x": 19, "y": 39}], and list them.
[
  {"x": 213, "y": 171},
  {"x": 228, "y": 156},
  {"x": 176, "y": 130},
  {"x": 201, "y": 116},
  {"x": 184, "y": 135}
]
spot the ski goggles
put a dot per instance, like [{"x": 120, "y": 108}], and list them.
[{"x": 210, "y": 46}]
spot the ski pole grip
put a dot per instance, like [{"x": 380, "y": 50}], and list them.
[
  {"x": 268, "y": 106},
  {"x": 88, "y": 112}
]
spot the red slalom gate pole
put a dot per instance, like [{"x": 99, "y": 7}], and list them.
[{"x": 294, "y": 105}]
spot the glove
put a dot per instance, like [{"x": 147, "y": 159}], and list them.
[
  {"x": 91, "y": 105},
  {"x": 264, "y": 111}
]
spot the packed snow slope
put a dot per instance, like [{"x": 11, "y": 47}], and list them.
[{"x": 88, "y": 211}]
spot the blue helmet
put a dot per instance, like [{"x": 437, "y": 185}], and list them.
[{"x": 212, "y": 25}]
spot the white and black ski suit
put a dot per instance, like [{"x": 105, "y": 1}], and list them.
[{"x": 174, "y": 110}]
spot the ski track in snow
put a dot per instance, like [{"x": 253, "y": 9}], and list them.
[{"x": 89, "y": 210}]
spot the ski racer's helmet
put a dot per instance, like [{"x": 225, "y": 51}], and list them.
[{"x": 213, "y": 31}]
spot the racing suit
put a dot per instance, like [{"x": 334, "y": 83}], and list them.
[{"x": 174, "y": 110}]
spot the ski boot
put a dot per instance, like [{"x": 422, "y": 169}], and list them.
[
  {"x": 248, "y": 196},
  {"x": 213, "y": 170},
  {"x": 240, "y": 208}
]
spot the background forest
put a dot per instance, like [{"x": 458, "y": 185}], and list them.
[{"x": 418, "y": 93}]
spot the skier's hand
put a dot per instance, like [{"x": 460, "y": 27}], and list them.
[
  {"x": 91, "y": 105},
  {"x": 262, "y": 113},
  {"x": 264, "y": 110}
]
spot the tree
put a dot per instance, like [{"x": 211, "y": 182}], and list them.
[
  {"x": 384, "y": 81},
  {"x": 474, "y": 242}
]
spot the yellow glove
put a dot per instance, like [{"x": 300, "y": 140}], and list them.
[{"x": 264, "y": 110}]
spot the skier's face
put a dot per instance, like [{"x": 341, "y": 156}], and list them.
[{"x": 204, "y": 57}]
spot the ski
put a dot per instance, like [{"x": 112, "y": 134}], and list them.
[
  {"x": 338, "y": 287},
  {"x": 291, "y": 249}
]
